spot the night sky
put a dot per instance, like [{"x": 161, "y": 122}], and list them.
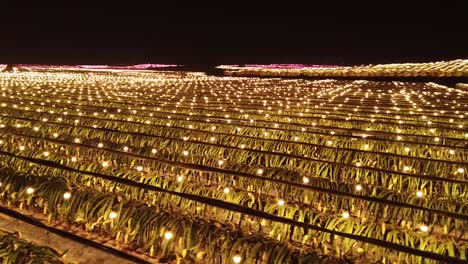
[{"x": 49, "y": 36}]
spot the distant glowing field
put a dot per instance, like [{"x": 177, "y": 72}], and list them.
[{"x": 190, "y": 168}]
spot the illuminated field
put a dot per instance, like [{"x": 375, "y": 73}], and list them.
[
  {"x": 454, "y": 68},
  {"x": 200, "y": 169}
]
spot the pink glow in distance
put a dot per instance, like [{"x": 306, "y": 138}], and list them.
[
  {"x": 289, "y": 66},
  {"x": 109, "y": 67}
]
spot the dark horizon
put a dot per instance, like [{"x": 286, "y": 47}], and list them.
[{"x": 191, "y": 40}]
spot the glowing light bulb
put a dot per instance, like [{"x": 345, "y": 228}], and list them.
[
  {"x": 220, "y": 162},
  {"x": 358, "y": 164},
  {"x": 358, "y": 187},
  {"x": 168, "y": 235},
  {"x": 185, "y": 152},
  {"x": 226, "y": 190},
  {"x": 105, "y": 164},
  {"x": 424, "y": 228},
  {"x": 406, "y": 168},
  {"x": 237, "y": 259},
  {"x": 305, "y": 180},
  {"x": 112, "y": 215},
  {"x": 66, "y": 195},
  {"x": 29, "y": 190},
  {"x": 139, "y": 168},
  {"x": 419, "y": 194},
  {"x": 242, "y": 146},
  {"x": 437, "y": 139},
  {"x": 345, "y": 215},
  {"x": 154, "y": 151},
  {"x": 180, "y": 178},
  {"x": 73, "y": 159},
  {"x": 46, "y": 153},
  {"x": 100, "y": 145},
  {"x": 55, "y": 135},
  {"x": 280, "y": 202},
  {"x": 212, "y": 139},
  {"x": 407, "y": 149},
  {"x": 36, "y": 129},
  {"x": 460, "y": 170},
  {"x": 260, "y": 171},
  {"x": 185, "y": 138},
  {"x": 451, "y": 152},
  {"x": 77, "y": 140},
  {"x": 22, "y": 148},
  {"x": 125, "y": 148}
]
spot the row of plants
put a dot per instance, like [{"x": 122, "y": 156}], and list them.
[
  {"x": 303, "y": 150},
  {"x": 402, "y": 124}
]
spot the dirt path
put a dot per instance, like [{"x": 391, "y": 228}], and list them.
[{"x": 77, "y": 252}]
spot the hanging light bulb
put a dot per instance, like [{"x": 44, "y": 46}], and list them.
[
  {"x": 180, "y": 178},
  {"x": 29, "y": 190},
  {"x": 237, "y": 259},
  {"x": 345, "y": 215},
  {"x": 280, "y": 202},
  {"x": 112, "y": 215},
  {"x": 358, "y": 187},
  {"x": 66, "y": 195},
  {"x": 168, "y": 235},
  {"x": 424, "y": 228},
  {"x": 305, "y": 179},
  {"x": 226, "y": 190}
]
